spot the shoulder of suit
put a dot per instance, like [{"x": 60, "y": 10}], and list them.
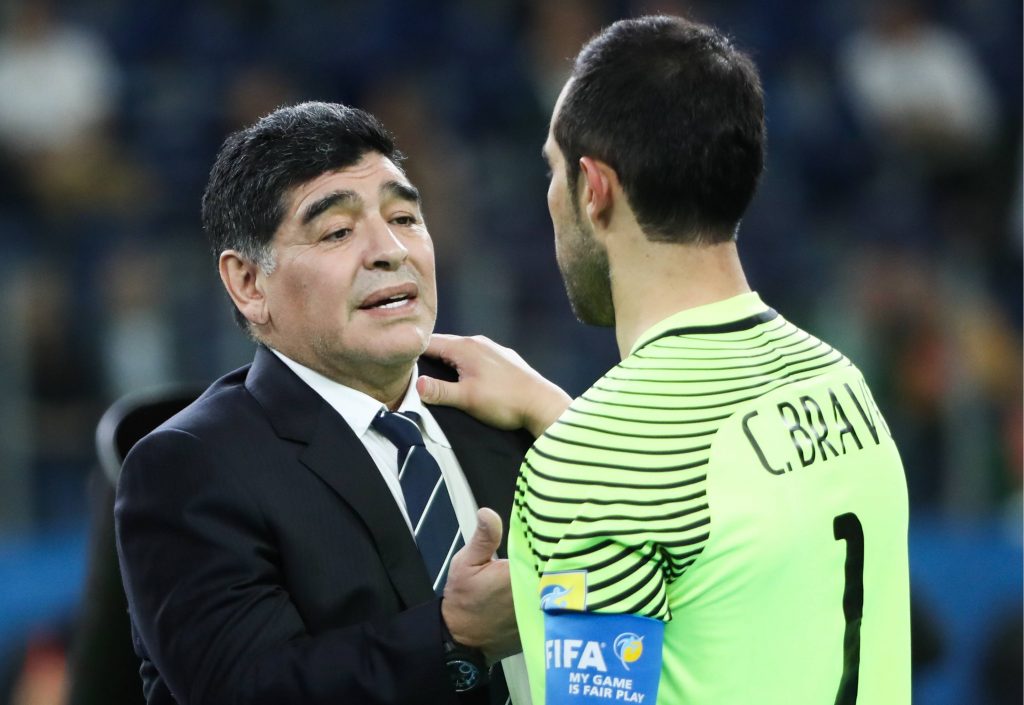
[{"x": 224, "y": 405}]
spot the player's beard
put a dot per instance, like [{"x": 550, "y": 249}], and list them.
[{"x": 585, "y": 272}]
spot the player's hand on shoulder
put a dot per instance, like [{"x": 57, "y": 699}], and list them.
[{"x": 495, "y": 384}]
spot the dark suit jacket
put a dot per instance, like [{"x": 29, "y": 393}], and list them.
[{"x": 265, "y": 559}]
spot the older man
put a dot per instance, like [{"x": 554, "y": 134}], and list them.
[{"x": 296, "y": 535}]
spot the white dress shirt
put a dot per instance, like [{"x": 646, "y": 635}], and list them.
[{"x": 359, "y": 409}]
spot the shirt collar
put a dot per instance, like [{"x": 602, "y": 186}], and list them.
[
  {"x": 357, "y": 408},
  {"x": 725, "y": 311},
  {"x": 428, "y": 425}
]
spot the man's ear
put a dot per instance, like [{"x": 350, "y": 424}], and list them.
[
  {"x": 599, "y": 180},
  {"x": 241, "y": 279}
]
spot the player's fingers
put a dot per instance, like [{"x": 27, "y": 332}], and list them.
[
  {"x": 439, "y": 392},
  {"x": 484, "y": 542},
  {"x": 442, "y": 346}
]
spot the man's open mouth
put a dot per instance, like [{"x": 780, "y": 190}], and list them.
[{"x": 392, "y": 297}]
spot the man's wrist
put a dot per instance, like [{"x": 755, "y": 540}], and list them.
[{"x": 466, "y": 666}]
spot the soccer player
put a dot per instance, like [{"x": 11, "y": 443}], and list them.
[{"x": 722, "y": 518}]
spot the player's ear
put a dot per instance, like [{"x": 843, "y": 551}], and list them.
[
  {"x": 244, "y": 284},
  {"x": 599, "y": 181}
]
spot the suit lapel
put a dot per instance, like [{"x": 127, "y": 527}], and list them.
[
  {"x": 489, "y": 459},
  {"x": 336, "y": 455}
]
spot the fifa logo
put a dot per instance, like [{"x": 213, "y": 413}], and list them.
[
  {"x": 574, "y": 654},
  {"x": 628, "y": 648},
  {"x": 578, "y": 654}
]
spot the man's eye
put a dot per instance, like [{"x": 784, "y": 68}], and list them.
[
  {"x": 404, "y": 220},
  {"x": 338, "y": 234}
]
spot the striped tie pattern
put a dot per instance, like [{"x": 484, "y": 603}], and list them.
[{"x": 435, "y": 527}]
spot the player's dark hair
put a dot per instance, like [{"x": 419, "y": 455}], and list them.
[
  {"x": 256, "y": 168},
  {"x": 678, "y": 112}
]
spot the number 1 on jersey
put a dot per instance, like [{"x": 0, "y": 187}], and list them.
[{"x": 847, "y": 527}]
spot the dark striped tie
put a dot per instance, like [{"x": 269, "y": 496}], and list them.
[{"x": 435, "y": 527}]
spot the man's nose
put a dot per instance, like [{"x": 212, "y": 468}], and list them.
[{"x": 385, "y": 250}]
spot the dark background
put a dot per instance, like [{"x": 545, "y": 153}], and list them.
[{"x": 888, "y": 222}]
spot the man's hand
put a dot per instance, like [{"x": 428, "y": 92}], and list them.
[
  {"x": 495, "y": 385},
  {"x": 477, "y": 604}
]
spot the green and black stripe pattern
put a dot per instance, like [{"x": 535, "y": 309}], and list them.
[{"x": 616, "y": 487}]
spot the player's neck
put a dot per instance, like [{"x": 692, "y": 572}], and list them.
[{"x": 653, "y": 280}]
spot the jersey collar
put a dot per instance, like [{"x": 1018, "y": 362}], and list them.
[{"x": 709, "y": 317}]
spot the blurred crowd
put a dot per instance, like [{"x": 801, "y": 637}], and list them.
[{"x": 889, "y": 220}]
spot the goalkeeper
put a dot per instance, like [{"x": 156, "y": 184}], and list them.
[{"x": 722, "y": 518}]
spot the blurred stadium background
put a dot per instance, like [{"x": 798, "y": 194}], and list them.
[{"x": 889, "y": 222}]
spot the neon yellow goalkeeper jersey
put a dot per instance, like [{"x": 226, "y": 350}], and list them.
[{"x": 720, "y": 520}]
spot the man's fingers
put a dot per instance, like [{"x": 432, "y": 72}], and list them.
[
  {"x": 436, "y": 391},
  {"x": 484, "y": 542}
]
